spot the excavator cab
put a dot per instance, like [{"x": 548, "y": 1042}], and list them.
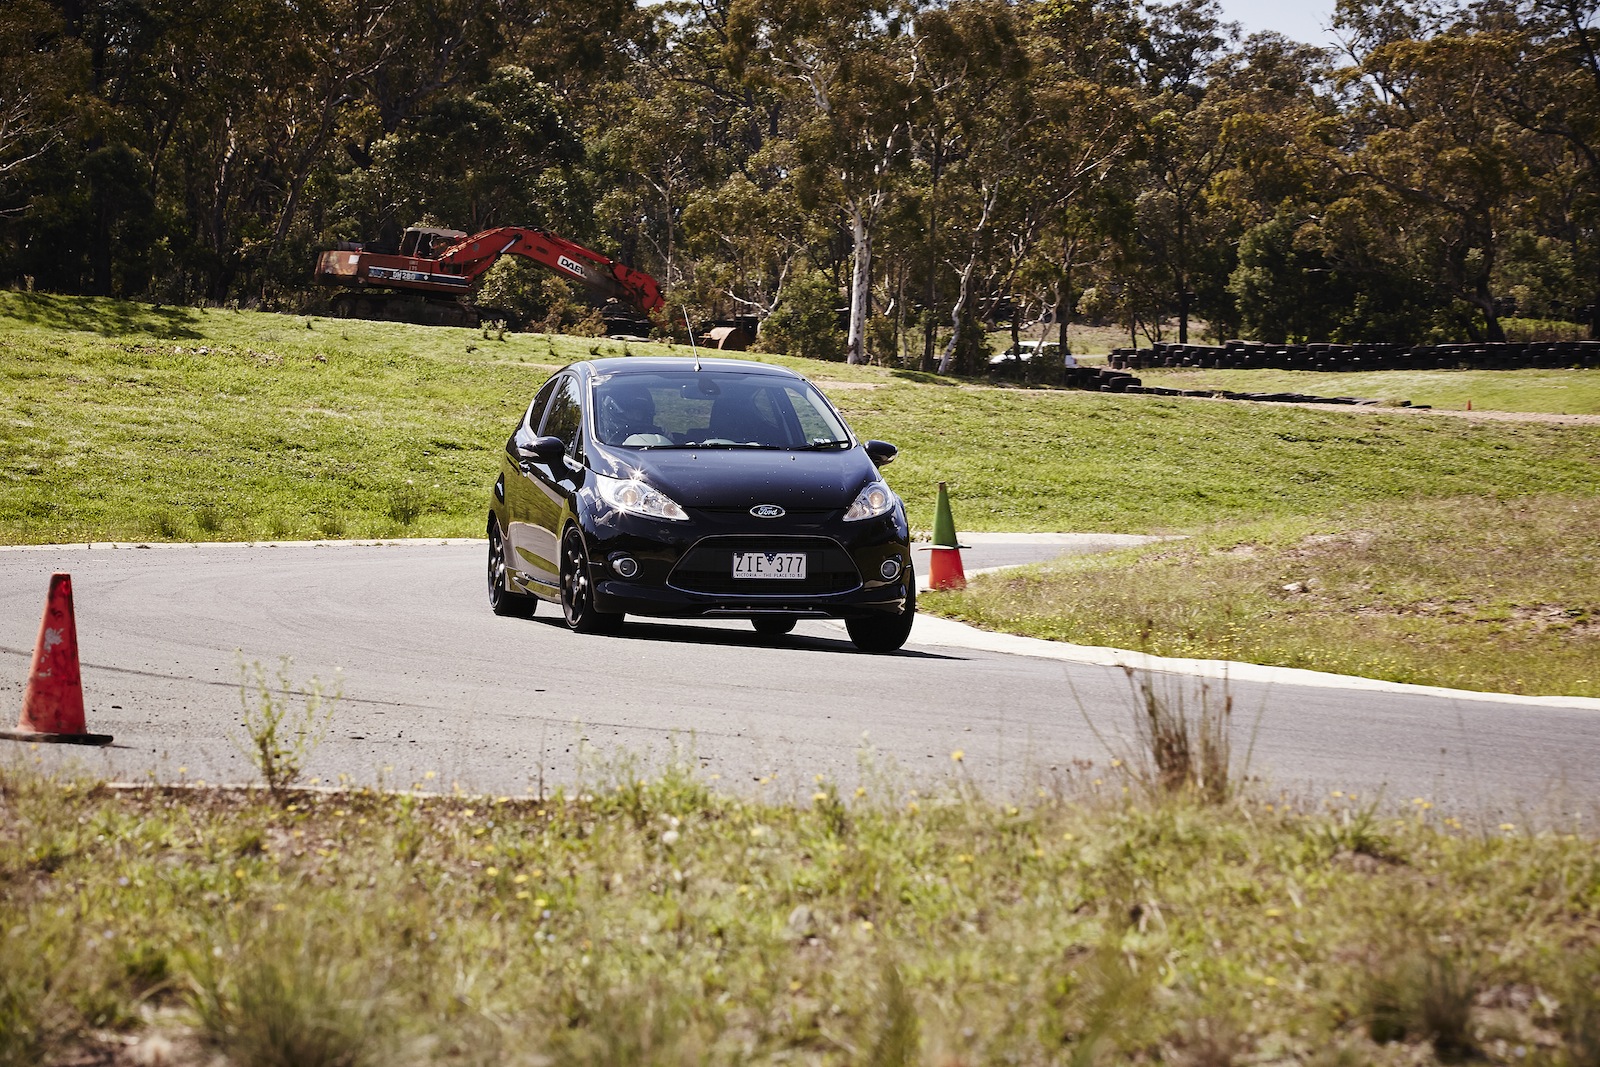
[{"x": 428, "y": 242}]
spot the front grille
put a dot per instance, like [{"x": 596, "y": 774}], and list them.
[
  {"x": 708, "y": 567},
  {"x": 809, "y": 513}
]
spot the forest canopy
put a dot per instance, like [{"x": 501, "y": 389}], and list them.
[{"x": 927, "y": 165}]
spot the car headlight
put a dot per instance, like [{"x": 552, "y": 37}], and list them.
[
  {"x": 876, "y": 499},
  {"x": 638, "y": 498}
]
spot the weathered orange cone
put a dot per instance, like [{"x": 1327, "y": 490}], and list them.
[
  {"x": 944, "y": 562},
  {"x": 52, "y": 708}
]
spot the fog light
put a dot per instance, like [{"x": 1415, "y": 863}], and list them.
[
  {"x": 890, "y": 569},
  {"x": 625, "y": 566}
]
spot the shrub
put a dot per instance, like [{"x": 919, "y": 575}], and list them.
[{"x": 806, "y": 321}]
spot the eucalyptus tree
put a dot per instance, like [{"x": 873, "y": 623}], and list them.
[
  {"x": 1184, "y": 147},
  {"x": 1435, "y": 153},
  {"x": 1286, "y": 138},
  {"x": 1084, "y": 87},
  {"x": 846, "y": 69},
  {"x": 673, "y": 147},
  {"x": 1542, "y": 58},
  {"x": 975, "y": 114},
  {"x": 39, "y": 70}
]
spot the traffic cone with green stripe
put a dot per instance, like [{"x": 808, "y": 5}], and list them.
[{"x": 944, "y": 562}]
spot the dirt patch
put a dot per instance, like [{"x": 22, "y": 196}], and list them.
[
  {"x": 1544, "y": 417},
  {"x": 834, "y": 383}
]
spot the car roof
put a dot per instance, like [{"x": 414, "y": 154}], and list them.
[{"x": 658, "y": 364}]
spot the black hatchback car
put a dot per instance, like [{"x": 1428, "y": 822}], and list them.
[{"x": 682, "y": 488}]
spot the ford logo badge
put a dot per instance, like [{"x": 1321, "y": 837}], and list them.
[{"x": 767, "y": 511}]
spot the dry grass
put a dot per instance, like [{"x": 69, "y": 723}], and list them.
[
  {"x": 1469, "y": 593},
  {"x": 653, "y": 921}
]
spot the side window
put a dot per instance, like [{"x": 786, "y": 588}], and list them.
[
  {"x": 562, "y": 419},
  {"x": 540, "y": 402},
  {"x": 528, "y": 426}
]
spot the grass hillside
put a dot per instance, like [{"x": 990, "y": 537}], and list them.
[{"x": 119, "y": 422}]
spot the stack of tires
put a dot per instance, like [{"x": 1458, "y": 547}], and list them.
[{"x": 1249, "y": 355}]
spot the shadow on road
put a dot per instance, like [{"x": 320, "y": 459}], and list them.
[{"x": 686, "y": 632}]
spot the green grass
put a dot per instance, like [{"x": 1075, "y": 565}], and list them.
[
  {"x": 656, "y": 921},
  {"x": 1559, "y": 392},
  {"x": 1468, "y": 593},
  {"x": 118, "y": 422},
  {"x": 1037, "y": 460}
]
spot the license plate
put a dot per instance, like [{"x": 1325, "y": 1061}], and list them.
[{"x": 769, "y": 565}]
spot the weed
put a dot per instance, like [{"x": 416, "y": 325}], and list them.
[
  {"x": 166, "y": 525},
  {"x": 1209, "y": 1042},
  {"x": 290, "y": 1003},
  {"x": 406, "y": 503},
  {"x": 1423, "y": 993},
  {"x": 1183, "y": 749},
  {"x": 209, "y": 518},
  {"x": 37, "y": 974},
  {"x": 898, "y": 1037},
  {"x": 278, "y": 740},
  {"x": 21, "y": 1039},
  {"x": 1580, "y": 1011},
  {"x": 1113, "y": 992},
  {"x": 642, "y": 1024},
  {"x": 331, "y": 526},
  {"x": 836, "y": 817},
  {"x": 1357, "y": 834}
]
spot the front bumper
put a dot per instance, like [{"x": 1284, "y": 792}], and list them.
[{"x": 685, "y": 570}]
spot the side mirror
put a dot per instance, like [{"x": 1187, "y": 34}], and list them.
[
  {"x": 546, "y": 450},
  {"x": 881, "y": 453}
]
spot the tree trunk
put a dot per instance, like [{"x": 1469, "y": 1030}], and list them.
[
  {"x": 860, "y": 284},
  {"x": 1064, "y": 301},
  {"x": 1016, "y": 338},
  {"x": 958, "y": 316},
  {"x": 929, "y": 328}
]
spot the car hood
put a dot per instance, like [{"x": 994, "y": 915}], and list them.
[{"x": 743, "y": 478}]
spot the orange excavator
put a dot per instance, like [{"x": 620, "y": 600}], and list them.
[{"x": 429, "y": 279}]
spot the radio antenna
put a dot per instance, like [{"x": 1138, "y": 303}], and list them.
[{"x": 689, "y": 326}]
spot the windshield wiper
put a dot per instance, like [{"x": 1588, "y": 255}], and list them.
[{"x": 817, "y": 446}]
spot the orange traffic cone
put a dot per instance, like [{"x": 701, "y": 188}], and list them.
[
  {"x": 944, "y": 563},
  {"x": 52, "y": 708}
]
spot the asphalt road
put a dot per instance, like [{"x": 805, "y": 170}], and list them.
[{"x": 440, "y": 692}]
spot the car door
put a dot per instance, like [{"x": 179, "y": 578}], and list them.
[
  {"x": 547, "y": 486},
  {"x": 527, "y": 553}
]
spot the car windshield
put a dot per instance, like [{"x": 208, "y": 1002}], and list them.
[{"x": 714, "y": 409}]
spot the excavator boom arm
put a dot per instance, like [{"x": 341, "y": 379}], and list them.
[
  {"x": 475, "y": 255},
  {"x": 464, "y": 261}
]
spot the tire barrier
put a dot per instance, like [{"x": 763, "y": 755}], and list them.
[{"x": 1252, "y": 355}]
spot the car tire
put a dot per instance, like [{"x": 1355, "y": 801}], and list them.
[
  {"x": 773, "y": 625},
  {"x": 502, "y": 601},
  {"x": 885, "y": 633},
  {"x": 577, "y": 596}
]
